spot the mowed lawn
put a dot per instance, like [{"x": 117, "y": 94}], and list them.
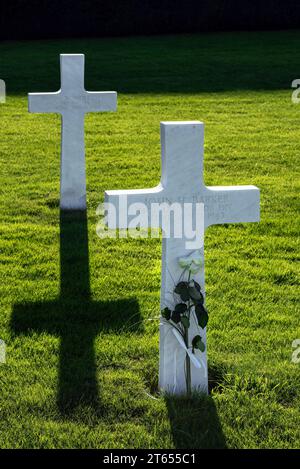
[{"x": 79, "y": 314}]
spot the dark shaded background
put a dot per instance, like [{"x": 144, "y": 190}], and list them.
[{"x": 29, "y": 19}]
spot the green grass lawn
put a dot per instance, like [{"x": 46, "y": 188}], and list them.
[{"x": 80, "y": 319}]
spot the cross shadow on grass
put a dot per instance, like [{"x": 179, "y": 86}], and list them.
[
  {"x": 75, "y": 318},
  {"x": 194, "y": 420}
]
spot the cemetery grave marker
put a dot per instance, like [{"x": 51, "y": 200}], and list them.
[
  {"x": 182, "y": 183},
  {"x": 72, "y": 101}
]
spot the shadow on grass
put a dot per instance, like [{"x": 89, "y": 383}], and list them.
[
  {"x": 75, "y": 318},
  {"x": 194, "y": 63},
  {"x": 194, "y": 421}
]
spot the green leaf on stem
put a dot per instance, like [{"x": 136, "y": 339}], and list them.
[
  {"x": 176, "y": 317},
  {"x": 196, "y": 285},
  {"x": 166, "y": 313},
  {"x": 198, "y": 344},
  {"x": 195, "y": 294},
  {"x": 202, "y": 315},
  {"x": 181, "y": 308},
  {"x": 182, "y": 289},
  {"x": 185, "y": 322}
]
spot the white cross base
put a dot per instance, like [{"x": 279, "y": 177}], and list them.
[
  {"x": 182, "y": 181},
  {"x": 72, "y": 101}
]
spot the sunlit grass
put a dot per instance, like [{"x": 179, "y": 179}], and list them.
[{"x": 239, "y": 86}]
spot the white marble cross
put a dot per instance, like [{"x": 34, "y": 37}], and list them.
[
  {"x": 72, "y": 101},
  {"x": 182, "y": 182}
]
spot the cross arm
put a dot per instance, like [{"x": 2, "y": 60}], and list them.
[
  {"x": 45, "y": 102},
  {"x": 101, "y": 101},
  {"x": 231, "y": 204},
  {"x": 122, "y": 205}
]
